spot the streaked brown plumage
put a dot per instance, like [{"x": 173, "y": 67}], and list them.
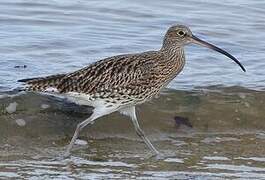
[
  {"x": 137, "y": 75},
  {"x": 120, "y": 82}
]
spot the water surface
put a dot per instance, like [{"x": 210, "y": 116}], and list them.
[{"x": 61, "y": 36}]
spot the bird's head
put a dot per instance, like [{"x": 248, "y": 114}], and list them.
[{"x": 180, "y": 35}]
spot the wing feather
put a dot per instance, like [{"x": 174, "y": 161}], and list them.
[{"x": 118, "y": 71}]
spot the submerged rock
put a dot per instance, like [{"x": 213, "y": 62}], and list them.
[
  {"x": 81, "y": 142},
  {"x": 20, "y": 122},
  {"x": 11, "y": 108},
  {"x": 45, "y": 106}
]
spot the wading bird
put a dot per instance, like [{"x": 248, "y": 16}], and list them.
[{"x": 121, "y": 82}]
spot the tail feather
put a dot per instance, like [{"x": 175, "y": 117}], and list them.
[{"x": 42, "y": 83}]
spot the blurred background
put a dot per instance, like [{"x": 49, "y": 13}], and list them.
[{"x": 224, "y": 105}]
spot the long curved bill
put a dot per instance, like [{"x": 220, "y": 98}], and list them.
[{"x": 213, "y": 47}]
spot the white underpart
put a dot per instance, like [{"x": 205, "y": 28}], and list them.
[
  {"x": 51, "y": 89},
  {"x": 80, "y": 98},
  {"x": 85, "y": 99},
  {"x": 101, "y": 106}
]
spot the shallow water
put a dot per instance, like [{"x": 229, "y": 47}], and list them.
[
  {"x": 46, "y": 37},
  {"x": 227, "y": 139}
]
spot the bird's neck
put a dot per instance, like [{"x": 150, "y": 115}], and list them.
[
  {"x": 171, "y": 47},
  {"x": 173, "y": 61},
  {"x": 173, "y": 53},
  {"x": 170, "y": 42}
]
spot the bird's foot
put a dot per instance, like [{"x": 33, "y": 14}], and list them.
[
  {"x": 67, "y": 154},
  {"x": 156, "y": 156}
]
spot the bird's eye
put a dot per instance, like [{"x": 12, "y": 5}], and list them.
[{"x": 181, "y": 33}]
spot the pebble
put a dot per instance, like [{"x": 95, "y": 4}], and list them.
[
  {"x": 11, "y": 108},
  {"x": 81, "y": 142},
  {"x": 21, "y": 122},
  {"x": 45, "y": 106}
]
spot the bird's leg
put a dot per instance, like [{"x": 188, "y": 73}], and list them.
[
  {"x": 130, "y": 111},
  {"x": 141, "y": 134},
  {"x": 79, "y": 127}
]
